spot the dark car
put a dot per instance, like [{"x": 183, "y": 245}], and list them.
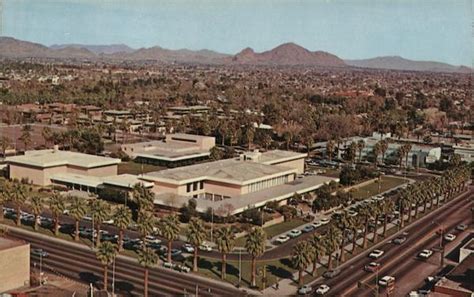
[
  {"x": 399, "y": 240},
  {"x": 332, "y": 273}
]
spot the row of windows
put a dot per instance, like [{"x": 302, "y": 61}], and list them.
[
  {"x": 191, "y": 187},
  {"x": 265, "y": 184}
]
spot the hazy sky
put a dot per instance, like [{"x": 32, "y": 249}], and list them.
[{"x": 416, "y": 29}]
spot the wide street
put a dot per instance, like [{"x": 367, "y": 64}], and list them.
[{"x": 399, "y": 259}]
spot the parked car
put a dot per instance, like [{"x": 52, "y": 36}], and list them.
[
  {"x": 109, "y": 221},
  {"x": 175, "y": 252},
  {"x": 205, "y": 247},
  {"x": 282, "y": 239},
  {"x": 325, "y": 221},
  {"x": 316, "y": 224},
  {"x": 372, "y": 267},
  {"x": 39, "y": 253},
  {"x": 306, "y": 289},
  {"x": 386, "y": 281},
  {"x": 352, "y": 213},
  {"x": 399, "y": 240},
  {"x": 323, "y": 289},
  {"x": 152, "y": 239},
  {"x": 169, "y": 265},
  {"x": 294, "y": 233},
  {"x": 188, "y": 248},
  {"x": 461, "y": 227},
  {"x": 449, "y": 237},
  {"x": 183, "y": 268},
  {"x": 375, "y": 254},
  {"x": 425, "y": 254},
  {"x": 307, "y": 228},
  {"x": 331, "y": 273}
]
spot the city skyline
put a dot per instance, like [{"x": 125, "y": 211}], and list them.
[{"x": 428, "y": 30}]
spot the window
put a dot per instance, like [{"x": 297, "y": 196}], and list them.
[
  {"x": 201, "y": 185},
  {"x": 188, "y": 188},
  {"x": 195, "y": 186}
]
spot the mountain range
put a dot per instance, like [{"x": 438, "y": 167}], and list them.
[{"x": 288, "y": 54}]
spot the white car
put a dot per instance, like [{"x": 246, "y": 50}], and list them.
[
  {"x": 386, "y": 281},
  {"x": 325, "y": 221},
  {"x": 375, "y": 254},
  {"x": 109, "y": 221},
  {"x": 425, "y": 254},
  {"x": 205, "y": 247},
  {"x": 449, "y": 237},
  {"x": 188, "y": 248},
  {"x": 316, "y": 224},
  {"x": 294, "y": 233},
  {"x": 282, "y": 239},
  {"x": 323, "y": 289},
  {"x": 306, "y": 289},
  {"x": 152, "y": 239}
]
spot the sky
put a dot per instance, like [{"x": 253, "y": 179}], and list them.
[{"x": 436, "y": 30}]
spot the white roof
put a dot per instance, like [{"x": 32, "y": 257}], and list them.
[
  {"x": 125, "y": 181},
  {"x": 53, "y": 158}
]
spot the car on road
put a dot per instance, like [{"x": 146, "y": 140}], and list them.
[
  {"x": 433, "y": 279},
  {"x": 306, "y": 289},
  {"x": 183, "y": 268},
  {"x": 425, "y": 254},
  {"x": 175, "y": 252},
  {"x": 307, "y": 228},
  {"x": 323, "y": 289},
  {"x": 39, "y": 253},
  {"x": 449, "y": 237},
  {"x": 372, "y": 267},
  {"x": 169, "y": 265},
  {"x": 109, "y": 221},
  {"x": 325, "y": 221},
  {"x": 352, "y": 213},
  {"x": 375, "y": 254},
  {"x": 461, "y": 227},
  {"x": 316, "y": 224},
  {"x": 188, "y": 248},
  {"x": 386, "y": 281},
  {"x": 205, "y": 247},
  {"x": 399, "y": 240},
  {"x": 282, "y": 239},
  {"x": 331, "y": 273},
  {"x": 152, "y": 239},
  {"x": 294, "y": 233}
]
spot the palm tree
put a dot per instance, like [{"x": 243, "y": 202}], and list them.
[
  {"x": 301, "y": 258},
  {"x": 225, "y": 240},
  {"x": 37, "y": 205},
  {"x": 5, "y": 195},
  {"x": 404, "y": 205},
  {"x": 196, "y": 235},
  {"x": 146, "y": 223},
  {"x": 100, "y": 211},
  {"x": 77, "y": 209},
  {"x": 383, "y": 148},
  {"x": 344, "y": 222},
  {"x": 366, "y": 213},
  {"x": 169, "y": 229},
  {"x": 255, "y": 245},
  {"x": 377, "y": 150},
  {"x": 376, "y": 212},
  {"x": 57, "y": 207},
  {"x": 317, "y": 251},
  {"x": 330, "y": 146},
  {"x": 18, "y": 197},
  {"x": 26, "y": 136},
  {"x": 360, "y": 148},
  {"x": 387, "y": 208},
  {"x": 333, "y": 238},
  {"x": 4, "y": 144},
  {"x": 357, "y": 223},
  {"x": 105, "y": 253},
  {"x": 147, "y": 258},
  {"x": 143, "y": 197},
  {"x": 407, "y": 151},
  {"x": 122, "y": 218}
]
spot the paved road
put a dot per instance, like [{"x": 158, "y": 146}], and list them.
[
  {"x": 78, "y": 262},
  {"x": 420, "y": 232}
]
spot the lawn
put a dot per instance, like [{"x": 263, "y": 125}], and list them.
[
  {"x": 276, "y": 229},
  {"x": 372, "y": 189},
  {"x": 137, "y": 168}
]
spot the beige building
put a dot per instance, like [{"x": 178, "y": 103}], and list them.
[
  {"x": 40, "y": 167},
  {"x": 14, "y": 264},
  {"x": 176, "y": 150},
  {"x": 249, "y": 181}
]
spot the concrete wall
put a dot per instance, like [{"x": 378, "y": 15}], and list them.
[
  {"x": 222, "y": 188},
  {"x": 103, "y": 171},
  {"x": 295, "y": 164},
  {"x": 14, "y": 267}
]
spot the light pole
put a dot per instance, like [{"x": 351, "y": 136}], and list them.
[
  {"x": 441, "y": 247},
  {"x": 41, "y": 270},
  {"x": 240, "y": 265}
]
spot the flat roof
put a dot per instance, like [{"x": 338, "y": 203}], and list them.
[
  {"x": 125, "y": 181},
  {"x": 52, "y": 158},
  {"x": 6, "y": 243},
  {"x": 78, "y": 179},
  {"x": 240, "y": 203}
]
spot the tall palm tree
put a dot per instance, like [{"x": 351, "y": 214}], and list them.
[
  {"x": 77, "y": 209},
  {"x": 225, "y": 240},
  {"x": 407, "y": 151},
  {"x": 366, "y": 213},
  {"x": 317, "y": 251},
  {"x": 122, "y": 218},
  {"x": 333, "y": 238},
  {"x": 330, "y": 147},
  {"x": 18, "y": 197},
  {"x": 404, "y": 206},
  {"x": 357, "y": 223},
  {"x": 100, "y": 211},
  {"x": 360, "y": 148},
  {"x": 57, "y": 206},
  {"x": 344, "y": 222},
  {"x": 387, "y": 208},
  {"x": 255, "y": 245},
  {"x": 37, "y": 205},
  {"x": 196, "y": 235},
  {"x": 147, "y": 258},
  {"x": 105, "y": 253},
  {"x": 301, "y": 258},
  {"x": 376, "y": 212},
  {"x": 169, "y": 229},
  {"x": 383, "y": 148},
  {"x": 377, "y": 151},
  {"x": 146, "y": 223},
  {"x": 5, "y": 195}
]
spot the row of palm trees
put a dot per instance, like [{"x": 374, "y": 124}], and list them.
[{"x": 425, "y": 193}]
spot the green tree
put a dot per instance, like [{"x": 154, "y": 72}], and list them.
[
  {"x": 18, "y": 197},
  {"x": 5, "y": 195},
  {"x": 255, "y": 245},
  {"x": 301, "y": 258},
  {"x": 100, "y": 211},
  {"x": 77, "y": 209},
  {"x": 147, "y": 258},
  {"x": 122, "y": 218},
  {"x": 332, "y": 240},
  {"x": 169, "y": 229},
  {"x": 225, "y": 240},
  {"x": 105, "y": 253},
  {"x": 318, "y": 250},
  {"x": 215, "y": 154},
  {"x": 57, "y": 205},
  {"x": 26, "y": 136},
  {"x": 146, "y": 223},
  {"x": 37, "y": 205},
  {"x": 196, "y": 235}
]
